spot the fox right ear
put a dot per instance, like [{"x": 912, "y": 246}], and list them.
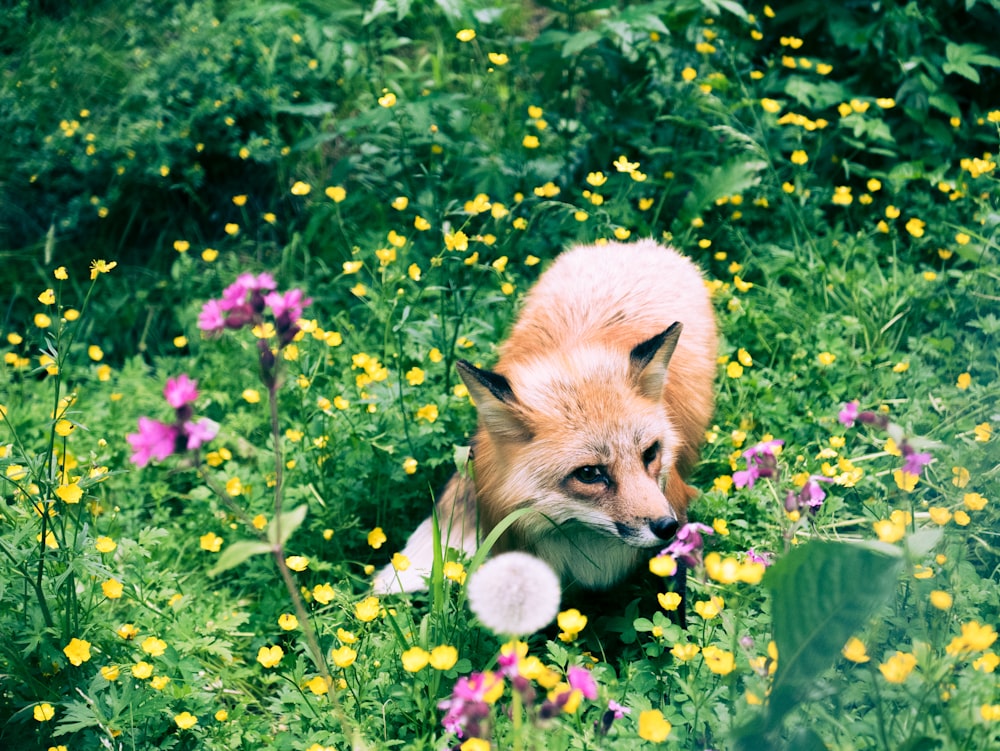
[
  {"x": 495, "y": 402},
  {"x": 648, "y": 361}
]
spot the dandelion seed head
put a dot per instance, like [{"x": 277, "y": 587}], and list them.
[{"x": 514, "y": 593}]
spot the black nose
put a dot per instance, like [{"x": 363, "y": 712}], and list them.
[{"x": 665, "y": 527}]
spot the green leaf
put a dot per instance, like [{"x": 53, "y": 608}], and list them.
[
  {"x": 290, "y": 521},
  {"x": 823, "y": 593},
  {"x": 238, "y": 552},
  {"x": 579, "y": 42},
  {"x": 725, "y": 180}
]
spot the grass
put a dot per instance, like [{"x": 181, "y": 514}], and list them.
[{"x": 414, "y": 185}]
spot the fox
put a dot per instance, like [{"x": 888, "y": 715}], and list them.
[{"x": 592, "y": 418}]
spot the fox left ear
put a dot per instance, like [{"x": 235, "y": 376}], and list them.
[
  {"x": 495, "y": 401},
  {"x": 649, "y": 360}
]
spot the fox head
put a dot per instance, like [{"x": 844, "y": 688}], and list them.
[{"x": 583, "y": 438}]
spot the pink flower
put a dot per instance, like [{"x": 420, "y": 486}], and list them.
[
  {"x": 289, "y": 304},
  {"x": 200, "y": 432},
  {"x": 212, "y": 316},
  {"x": 688, "y": 542},
  {"x": 180, "y": 391},
  {"x": 761, "y": 462},
  {"x": 155, "y": 440},
  {"x": 582, "y": 680},
  {"x": 848, "y": 414}
]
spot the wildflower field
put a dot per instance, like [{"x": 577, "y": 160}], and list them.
[{"x": 244, "y": 244}]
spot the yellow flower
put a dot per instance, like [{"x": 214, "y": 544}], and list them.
[
  {"x": 343, "y": 656},
  {"x": 387, "y": 100},
  {"x": 987, "y": 663},
  {"x": 105, "y": 545},
  {"x": 709, "y": 608},
  {"x": 826, "y": 358},
  {"x": 622, "y": 164},
  {"x": 799, "y": 157},
  {"x": 915, "y": 227},
  {"x": 100, "y": 267},
  {"x": 498, "y": 58},
  {"x": 269, "y": 657},
  {"x": 983, "y": 431},
  {"x": 663, "y": 565},
  {"x": 415, "y": 659},
  {"x": 941, "y": 600},
  {"x": 653, "y": 727},
  {"x": 443, "y": 657},
  {"x": 288, "y": 622},
  {"x": 990, "y": 712},
  {"x": 962, "y": 519},
  {"x": 159, "y": 682},
  {"x": 323, "y": 593},
  {"x": 43, "y": 712},
  {"x": 153, "y": 646},
  {"x": 210, "y": 542},
  {"x": 61, "y": 274},
  {"x": 770, "y": 105},
  {"x": 112, "y": 589},
  {"x": 685, "y": 652},
  {"x": 457, "y": 241},
  {"x": 185, "y": 720},
  {"x": 530, "y": 142},
  {"x": 898, "y": 667},
  {"x": 855, "y": 650},
  {"x": 48, "y": 297},
  {"x": 367, "y": 610},
  {"x": 297, "y": 562},
  {"x": 110, "y": 672},
  {"x": 182, "y": 246},
  {"x": 300, "y": 188},
  {"x": 906, "y": 482},
  {"x": 974, "y": 501},
  {"x": 466, "y": 35},
  {"x": 572, "y": 622},
  {"x": 317, "y": 685},
  {"x": 428, "y": 412},
  {"x": 77, "y": 651},
  {"x": 669, "y": 601},
  {"x": 974, "y": 638},
  {"x": 376, "y": 538},
  {"x": 734, "y": 370},
  {"x": 400, "y": 562},
  {"x": 475, "y": 744},
  {"x": 454, "y": 571},
  {"x": 71, "y": 493},
  {"x": 127, "y": 631},
  {"x": 718, "y": 660}
]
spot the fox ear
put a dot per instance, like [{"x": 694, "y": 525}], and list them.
[
  {"x": 495, "y": 402},
  {"x": 648, "y": 361}
]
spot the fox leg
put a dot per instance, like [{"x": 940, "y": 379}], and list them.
[{"x": 456, "y": 519}]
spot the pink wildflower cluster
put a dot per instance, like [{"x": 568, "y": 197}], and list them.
[
  {"x": 248, "y": 300},
  {"x": 761, "y": 463},
  {"x": 158, "y": 440},
  {"x": 914, "y": 461},
  {"x": 468, "y": 708}
]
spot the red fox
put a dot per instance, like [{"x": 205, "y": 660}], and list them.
[{"x": 583, "y": 422}]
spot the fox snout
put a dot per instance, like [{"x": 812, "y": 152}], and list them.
[{"x": 655, "y": 532}]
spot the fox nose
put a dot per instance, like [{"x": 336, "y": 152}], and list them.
[{"x": 665, "y": 527}]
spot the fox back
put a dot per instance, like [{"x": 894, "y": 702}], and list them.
[{"x": 592, "y": 418}]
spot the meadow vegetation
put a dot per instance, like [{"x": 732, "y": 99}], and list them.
[{"x": 244, "y": 244}]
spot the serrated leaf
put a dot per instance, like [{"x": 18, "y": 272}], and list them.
[
  {"x": 237, "y": 553},
  {"x": 727, "y": 179},
  {"x": 579, "y": 42}
]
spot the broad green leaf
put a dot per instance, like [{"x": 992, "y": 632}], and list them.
[
  {"x": 579, "y": 42},
  {"x": 728, "y": 179},
  {"x": 822, "y": 594},
  {"x": 237, "y": 553}
]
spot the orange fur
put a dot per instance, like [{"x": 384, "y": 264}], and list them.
[{"x": 591, "y": 379}]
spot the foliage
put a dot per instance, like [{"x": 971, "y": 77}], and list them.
[{"x": 412, "y": 165}]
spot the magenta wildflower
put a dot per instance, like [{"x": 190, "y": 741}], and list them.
[
  {"x": 158, "y": 440},
  {"x": 212, "y": 316},
  {"x": 581, "y": 679},
  {"x": 467, "y": 710},
  {"x": 180, "y": 391},
  {"x": 848, "y": 414},
  {"x": 763, "y": 558},
  {"x": 155, "y": 440},
  {"x": 914, "y": 461},
  {"x": 202, "y": 431},
  {"x": 761, "y": 463},
  {"x": 810, "y": 495},
  {"x": 688, "y": 543}
]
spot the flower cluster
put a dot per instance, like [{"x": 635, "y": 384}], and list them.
[
  {"x": 762, "y": 462},
  {"x": 250, "y": 301},
  {"x": 158, "y": 440},
  {"x": 914, "y": 461},
  {"x": 468, "y": 711}
]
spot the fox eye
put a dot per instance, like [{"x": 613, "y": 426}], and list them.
[
  {"x": 649, "y": 455},
  {"x": 590, "y": 474}
]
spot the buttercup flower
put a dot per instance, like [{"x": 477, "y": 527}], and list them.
[{"x": 77, "y": 651}]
